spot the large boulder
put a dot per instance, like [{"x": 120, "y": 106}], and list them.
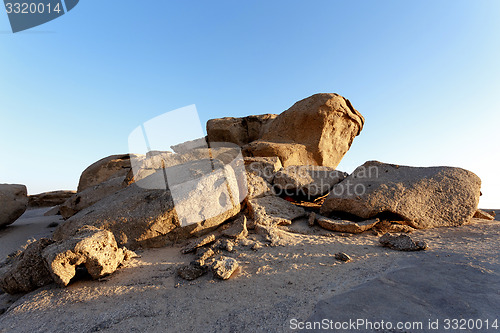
[
  {"x": 239, "y": 130},
  {"x": 153, "y": 211},
  {"x": 105, "y": 169},
  {"x": 90, "y": 196},
  {"x": 318, "y": 130},
  {"x": 265, "y": 167},
  {"x": 28, "y": 272},
  {"x": 49, "y": 199},
  {"x": 92, "y": 247},
  {"x": 307, "y": 180},
  {"x": 420, "y": 197},
  {"x": 13, "y": 202},
  {"x": 273, "y": 211}
]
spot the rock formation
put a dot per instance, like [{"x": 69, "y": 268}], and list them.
[
  {"x": 13, "y": 203},
  {"x": 49, "y": 199}
]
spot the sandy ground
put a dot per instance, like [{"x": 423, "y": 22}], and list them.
[{"x": 276, "y": 286}]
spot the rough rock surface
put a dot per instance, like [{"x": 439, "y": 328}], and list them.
[
  {"x": 481, "y": 214},
  {"x": 238, "y": 228},
  {"x": 92, "y": 247},
  {"x": 258, "y": 187},
  {"x": 189, "y": 145},
  {"x": 105, "y": 169},
  {"x": 264, "y": 167},
  {"x": 224, "y": 267},
  {"x": 422, "y": 197},
  {"x": 13, "y": 202},
  {"x": 29, "y": 271},
  {"x": 342, "y": 257},
  {"x": 402, "y": 243},
  {"x": 239, "y": 130},
  {"x": 346, "y": 226},
  {"x": 198, "y": 242},
  {"x": 274, "y": 211},
  {"x": 49, "y": 199},
  {"x": 317, "y": 130},
  {"x": 144, "y": 214},
  {"x": 90, "y": 196},
  {"x": 191, "y": 272},
  {"x": 307, "y": 181}
]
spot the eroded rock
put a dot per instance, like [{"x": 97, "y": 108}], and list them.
[
  {"x": 346, "y": 226},
  {"x": 224, "y": 267},
  {"x": 272, "y": 210},
  {"x": 402, "y": 243},
  {"x": 13, "y": 202},
  {"x": 49, "y": 199}
]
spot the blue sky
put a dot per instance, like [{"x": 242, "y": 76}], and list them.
[{"x": 425, "y": 74}]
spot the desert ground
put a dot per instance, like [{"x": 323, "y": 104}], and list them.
[{"x": 276, "y": 287}]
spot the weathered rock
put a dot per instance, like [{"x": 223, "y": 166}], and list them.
[
  {"x": 13, "y": 202},
  {"x": 223, "y": 244},
  {"x": 238, "y": 130},
  {"x": 317, "y": 130},
  {"x": 224, "y": 267},
  {"x": 258, "y": 187},
  {"x": 191, "y": 272},
  {"x": 28, "y": 271},
  {"x": 150, "y": 214},
  {"x": 402, "y": 243},
  {"x": 90, "y": 196},
  {"x": 342, "y": 257},
  {"x": 238, "y": 229},
  {"x": 311, "y": 220},
  {"x": 49, "y": 199},
  {"x": 53, "y": 211},
  {"x": 392, "y": 227},
  {"x": 422, "y": 197},
  {"x": 346, "y": 226},
  {"x": 481, "y": 214},
  {"x": 203, "y": 254},
  {"x": 307, "y": 181},
  {"x": 92, "y": 247},
  {"x": 264, "y": 167},
  {"x": 198, "y": 242},
  {"x": 190, "y": 145},
  {"x": 272, "y": 210},
  {"x": 105, "y": 169}
]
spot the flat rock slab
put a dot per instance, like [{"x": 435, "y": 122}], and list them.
[
  {"x": 274, "y": 211},
  {"x": 481, "y": 214},
  {"x": 402, "y": 243},
  {"x": 346, "y": 226},
  {"x": 423, "y": 291}
]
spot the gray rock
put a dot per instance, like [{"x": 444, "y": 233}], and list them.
[
  {"x": 190, "y": 145},
  {"x": 317, "y": 130},
  {"x": 402, "y": 243},
  {"x": 346, "y": 226},
  {"x": 224, "y": 267},
  {"x": 191, "y": 272},
  {"x": 258, "y": 187},
  {"x": 92, "y": 247},
  {"x": 422, "y": 197},
  {"x": 28, "y": 271},
  {"x": 264, "y": 167},
  {"x": 311, "y": 220},
  {"x": 342, "y": 257},
  {"x": 274, "y": 211},
  {"x": 13, "y": 202},
  {"x": 307, "y": 181}
]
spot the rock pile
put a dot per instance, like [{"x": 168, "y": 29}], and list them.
[{"x": 236, "y": 189}]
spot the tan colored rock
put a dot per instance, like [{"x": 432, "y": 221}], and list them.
[
  {"x": 150, "y": 214},
  {"x": 402, "y": 243},
  {"x": 264, "y": 167},
  {"x": 238, "y": 228},
  {"x": 28, "y": 272},
  {"x": 224, "y": 267},
  {"x": 258, "y": 187},
  {"x": 105, "y": 169},
  {"x": 13, "y": 202},
  {"x": 421, "y": 197},
  {"x": 49, "y": 199},
  {"x": 317, "y": 130},
  {"x": 272, "y": 210},
  {"x": 92, "y": 247},
  {"x": 199, "y": 242},
  {"x": 307, "y": 181},
  {"x": 481, "y": 214},
  {"x": 346, "y": 226},
  {"x": 190, "y": 145},
  {"x": 90, "y": 196},
  {"x": 238, "y": 130}
]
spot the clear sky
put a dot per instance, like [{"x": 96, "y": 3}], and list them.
[{"x": 425, "y": 74}]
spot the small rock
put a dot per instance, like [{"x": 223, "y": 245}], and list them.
[
  {"x": 481, "y": 214},
  {"x": 224, "y": 267},
  {"x": 199, "y": 242},
  {"x": 346, "y": 226},
  {"x": 312, "y": 219},
  {"x": 238, "y": 229},
  {"x": 342, "y": 257},
  {"x": 274, "y": 211},
  {"x": 256, "y": 246},
  {"x": 223, "y": 244},
  {"x": 191, "y": 272},
  {"x": 53, "y": 225},
  {"x": 402, "y": 243}
]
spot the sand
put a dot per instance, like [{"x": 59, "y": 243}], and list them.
[{"x": 276, "y": 286}]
